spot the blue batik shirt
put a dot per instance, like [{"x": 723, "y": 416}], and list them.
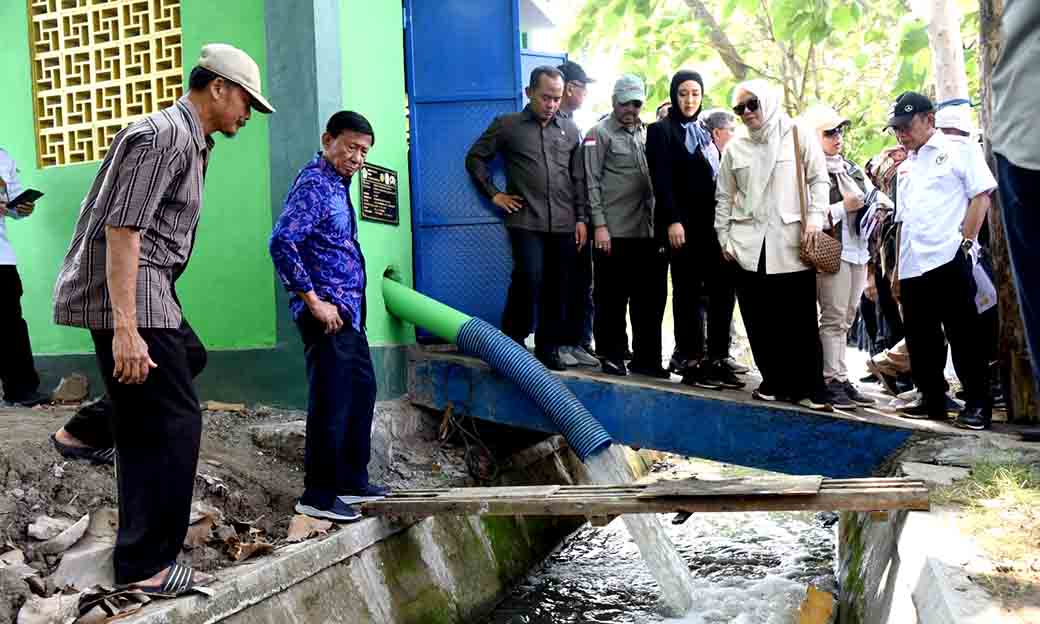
[{"x": 315, "y": 247}]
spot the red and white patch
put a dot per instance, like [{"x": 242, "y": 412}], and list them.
[{"x": 589, "y": 140}]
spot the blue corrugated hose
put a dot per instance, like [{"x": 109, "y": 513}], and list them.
[{"x": 583, "y": 432}]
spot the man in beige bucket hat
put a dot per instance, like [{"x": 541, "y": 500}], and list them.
[{"x": 133, "y": 239}]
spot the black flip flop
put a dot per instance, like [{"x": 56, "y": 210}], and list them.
[
  {"x": 179, "y": 581},
  {"x": 106, "y": 456}
]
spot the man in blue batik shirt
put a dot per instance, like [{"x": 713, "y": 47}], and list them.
[{"x": 318, "y": 257}]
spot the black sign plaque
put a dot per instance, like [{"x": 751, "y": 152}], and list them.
[{"x": 379, "y": 194}]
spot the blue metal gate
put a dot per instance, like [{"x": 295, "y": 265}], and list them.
[{"x": 463, "y": 70}]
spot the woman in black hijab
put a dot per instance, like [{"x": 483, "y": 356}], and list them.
[{"x": 683, "y": 164}]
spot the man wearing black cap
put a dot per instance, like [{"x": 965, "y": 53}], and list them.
[
  {"x": 943, "y": 197},
  {"x": 580, "y": 307}
]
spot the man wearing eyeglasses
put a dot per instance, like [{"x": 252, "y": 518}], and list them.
[
  {"x": 621, "y": 204},
  {"x": 943, "y": 198}
]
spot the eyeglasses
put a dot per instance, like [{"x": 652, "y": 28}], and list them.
[
  {"x": 750, "y": 106},
  {"x": 631, "y": 104},
  {"x": 833, "y": 132}
]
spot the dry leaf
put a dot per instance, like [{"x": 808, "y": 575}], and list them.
[
  {"x": 200, "y": 510},
  {"x": 303, "y": 527},
  {"x": 199, "y": 533},
  {"x": 241, "y": 552}
]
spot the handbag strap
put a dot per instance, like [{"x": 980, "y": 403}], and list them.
[{"x": 800, "y": 172}]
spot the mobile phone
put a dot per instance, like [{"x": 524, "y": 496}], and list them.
[{"x": 27, "y": 196}]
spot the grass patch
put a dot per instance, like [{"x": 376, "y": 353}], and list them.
[{"x": 1001, "y": 510}]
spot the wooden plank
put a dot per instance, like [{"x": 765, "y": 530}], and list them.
[
  {"x": 492, "y": 493},
  {"x": 740, "y": 486}
]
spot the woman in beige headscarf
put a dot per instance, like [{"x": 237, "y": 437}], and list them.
[{"x": 759, "y": 223}]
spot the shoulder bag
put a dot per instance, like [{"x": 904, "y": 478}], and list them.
[{"x": 825, "y": 255}]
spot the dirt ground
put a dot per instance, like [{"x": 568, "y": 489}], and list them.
[{"x": 253, "y": 488}]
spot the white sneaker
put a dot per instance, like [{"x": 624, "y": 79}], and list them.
[
  {"x": 583, "y": 357},
  {"x": 567, "y": 358}
]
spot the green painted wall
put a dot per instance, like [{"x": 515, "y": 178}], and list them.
[
  {"x": 372, "y": 47},
  {"x": 228, "y": 290}
]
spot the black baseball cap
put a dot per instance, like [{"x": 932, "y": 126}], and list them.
[
  {"x": 573, "y": 71},
  {"x": 907, "y": 105}
]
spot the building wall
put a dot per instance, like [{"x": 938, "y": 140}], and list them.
[
  {"x": 228, "y": 290},
  {"x": 317, "y": 57},
  {"x": 372, "y": 48}
]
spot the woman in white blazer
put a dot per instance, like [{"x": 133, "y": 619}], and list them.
[{"x": 758, "y": 219}]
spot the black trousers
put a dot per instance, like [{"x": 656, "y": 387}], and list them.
[
  {"x": 157, "y": 427},
  {"x": 542, "y": 263},
  {"x": 92, "y": 424},
  {"x": 580, "y": 302},
  {"x": 340, "y": 404},
  {"x": 944, "y": 299},
  {"x": 698, "y": 275},
  {"x": 17, "y": 371},
  {"x": 631, "y": 279},
  {"x": 780, "y": 315}
]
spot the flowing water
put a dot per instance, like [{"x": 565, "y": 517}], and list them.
[{"x": 732, "y": 568}]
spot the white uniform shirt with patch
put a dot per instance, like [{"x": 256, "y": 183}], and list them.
[
  {"x": 10, "y": 189},
  {"x": 936, "y": 184}
]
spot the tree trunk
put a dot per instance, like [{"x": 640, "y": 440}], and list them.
[
  {"x": 944, "y": 38},
  {"x": 727, "y": 51},
  {"x": 1015, "y": 369}
]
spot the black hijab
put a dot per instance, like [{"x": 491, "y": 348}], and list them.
[{"x": 680, "y": 77}]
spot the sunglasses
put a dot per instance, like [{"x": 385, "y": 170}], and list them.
[
  {"x": 749, "y": 106},
  {"x": 830, "y": 134}
]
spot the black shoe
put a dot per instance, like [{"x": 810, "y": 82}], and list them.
[
  {"x": 764, "y": 393},
  {"x": 735, "y": 367},
  {"x": 822, "y": 400},
  {"x": 839, "y": 396},
  {"x": 677, "y": 364},
  {"x": 657, "y": 372},
  {"x": 869, "y": 378},
  {"x": 32, "y": 399},
  {"x": 855, "y": 395},
  {"x": 921, "y": 410},
  {"x": 974, "y": 418},
  {"x": 719, "y": 372},
  {"x": 697, "y": 376},
  {"x": 615, "y": 367},
  {"x": 552, "y": 361},
  {"x": 588, "y": 349}
]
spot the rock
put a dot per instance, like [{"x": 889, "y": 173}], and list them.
[
  {"x": 285, "y": 440},
  {"x": 12, "y": 566},
  {"x": 45, "y": 527},
  {"x": 59, "y": 609},
  {"x": 932, "y": 474},
  {"x": 66, "y": 539},
  {"x": 86, "y": 564},
  {"x": 89, "y": 562},
  {"x": 72, "y": 389}
]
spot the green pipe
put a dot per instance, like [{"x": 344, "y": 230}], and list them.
[{"x": 418, "y": 309}]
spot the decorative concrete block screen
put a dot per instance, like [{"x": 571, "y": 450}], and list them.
[{"x": 97, "y": 66}]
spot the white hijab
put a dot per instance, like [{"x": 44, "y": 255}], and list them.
[{"x": 768, "y": 139}]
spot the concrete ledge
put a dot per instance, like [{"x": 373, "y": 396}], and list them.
[
  {"x": 444, "y": 569},
  {"x": 721, "y": 426}
]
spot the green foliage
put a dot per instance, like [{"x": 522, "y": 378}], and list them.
[{"x": 855, "y": 55}]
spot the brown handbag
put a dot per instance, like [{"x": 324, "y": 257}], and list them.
[{"x": 825, "y": 255}]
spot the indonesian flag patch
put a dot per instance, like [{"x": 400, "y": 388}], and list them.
[{"x": 589, "y": 140}]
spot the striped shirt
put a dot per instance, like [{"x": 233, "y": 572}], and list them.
[{"x": 150, "y": 181}]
